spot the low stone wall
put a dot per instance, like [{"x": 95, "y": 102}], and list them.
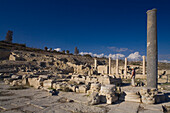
[{"x": 140, "y": 76}]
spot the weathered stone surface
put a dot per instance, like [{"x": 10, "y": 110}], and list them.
[
  {"x": 44, "y": 76},
  {"x": 25, "y": 81},
  {"x": 109, "y": 66},
  {"x": 34, "y": 82},
  {"x": 132, "y": 96},
  {"x": 82, "y": 89},
  {"x": 125, "y": 68},
  {"x": 151, "y": 96},
  {"x": 144, "y": 65},
  {"x": 152, "y": 55},
  {"x": 16, "y": 83},
  {"x": 110, "y": 98},
  {"x": 108, "y": 94},
  {"x": 39, "y": 101},
  {"x": 16, "y": 76},
  {"x": 107, "y": 89},
  {"x": 79, "y": 79},
  {"x": 117, "y": 66},
  {"x": 95, "y": 63},
  {"x": 47, "y": 83},
  {"x": 103, "y": 69},
  {"x": 94, "y": 98}
]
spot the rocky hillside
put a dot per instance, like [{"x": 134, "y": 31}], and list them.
[{"x": 33, "y": 54}]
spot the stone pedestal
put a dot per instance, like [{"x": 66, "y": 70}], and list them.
[
  {"x": 107, "y": 94},
  {"x": 148, "y": 95},
  {"x": 125, "y": 68},
  {"x": 152, "y": 59},
  {"x": 143, "y": 65},
  {"x": 132, "y": 96},
  {"x": 107, "y": 89}
]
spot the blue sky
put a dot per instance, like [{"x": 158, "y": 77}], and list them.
[{"x": 97, "y": 26}]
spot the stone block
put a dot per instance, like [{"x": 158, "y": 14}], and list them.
[
  {"x": 57, "y": 86},
  {"x": 95, "y": 87},
  {"x": 94, "y": 99},
  {"x": 16, "y": 76},
  {"x": 109, "y": 99},
  {"x": 44, "y": 76},
  {"x": 160, "y": 97},
  {"x": 107, "y": 89},
  {"x": 151, "y": 96},
  {"x": 16, "y": 58},
  {"x": 16, "y": 83},
  {"x": 34, "y": 82},
  {"x": 8, "y": 80},
  {"x": 25, "y": 81},
  {"x": 132, "y": 96},
  {"x": 103, "y": 99},
  {"x": 47, "y": 83},
  {"x": 82, "y": 89},
  {"x": 103, "y": 69}
]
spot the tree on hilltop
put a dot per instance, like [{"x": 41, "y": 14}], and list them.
[
  {"x": 50, "y": 49},
  {"x": 64, "y": 51},
  {"x": 8, "y": 37},
  {"x": 67, "y": 51},
  {"x": 76, "y": 51},
  {"x": 45, "y": 48}
]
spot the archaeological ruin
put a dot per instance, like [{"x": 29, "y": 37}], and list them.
[{"x": 47, "y": 82}]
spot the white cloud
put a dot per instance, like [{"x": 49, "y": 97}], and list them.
[
  {"x": 164, "y": 61},
  {"x": 132, "y": 57},
  {"x": 100, "y": 55},
  {"x": 58, "y": 49},
  {"x": 113, "y": 56},
  {"x": 84, "y": 53},
  {"x": 119, "y": 49},
  {"x": 135, "y": 56}
]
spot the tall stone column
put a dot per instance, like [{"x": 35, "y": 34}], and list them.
[
  {"x": 95, "y": 63},
  {"x": 117, "y": 66},
  {"x": 109, "y": 66},
  {"x": 144, "y": 65},
  {"x": 152, "y": 59},
  {"x": 125, "y": 69}
]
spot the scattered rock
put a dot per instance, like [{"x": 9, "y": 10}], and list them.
[{"x": 94, "y": 98}]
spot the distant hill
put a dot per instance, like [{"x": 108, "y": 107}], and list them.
[
  {"x": 6, "y": 48},
  {"x": 15, "y": 46}
]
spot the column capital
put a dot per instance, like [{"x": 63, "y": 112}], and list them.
[{"x": 154, "y": 9}]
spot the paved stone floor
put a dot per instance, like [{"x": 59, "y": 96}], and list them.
[{"x": 32, "y": 100}]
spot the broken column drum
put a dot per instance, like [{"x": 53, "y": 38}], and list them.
[{"x": 152, "y": 59}]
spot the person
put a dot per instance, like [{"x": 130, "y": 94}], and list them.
[{"x": 133, "y": 77}]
